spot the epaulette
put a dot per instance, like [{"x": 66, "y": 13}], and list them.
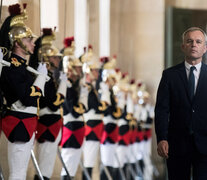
[
  {"x": 79, "y": 109},
  {"x": 133, "y": 122},
  {"x": 59, "y": 100},
  {"x": 103, "y": 106},
  {"x": 15, "y": 62},
  {"x": 129, "y": 116},
  {"x": 35, "y": 91},
  {"x": 117, "y": 113}
]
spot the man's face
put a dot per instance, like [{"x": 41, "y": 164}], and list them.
[
  {"x": 78, "y": 70},
  {"x": 194, "y": 45},
  {"x": 54, "y": 61},
  {"x": 95, "y": 73},
  {"x": 29, "y": 44}
]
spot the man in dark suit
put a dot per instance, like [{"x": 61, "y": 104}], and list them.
[{"x": 181, "y": 111}]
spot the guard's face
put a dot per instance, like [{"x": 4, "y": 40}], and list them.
[
  {"x": 29, "y": 44},
  {"x": 54, "y": 61},
  {"x": 78, "y": 70},
  {"x": 194, "y": 45},
  {"x": 95, "y": 73}
]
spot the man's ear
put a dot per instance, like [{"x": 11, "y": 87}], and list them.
[
  {"x": 16, "y": 44},
  {"x": 205, "y": 49}
]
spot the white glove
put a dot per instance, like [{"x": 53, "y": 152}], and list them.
[
  {"x": 105, "y": 93},
  {"x": 130, "y": 104},
  {"x": 42, "y": 69},
  {"x": 84, "y": 96},
  {"x": 121, "y": 99},
  {"x": 63, "y": 84},
  {"x": 104, "y": 86},
  {"x": 41, "y": 78},
  {"x": 63, "y": 77}
]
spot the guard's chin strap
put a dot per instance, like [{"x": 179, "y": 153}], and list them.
[{"x": 23, "y": 47}]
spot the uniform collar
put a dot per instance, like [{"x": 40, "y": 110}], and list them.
[{"x": 18, "y": 58}]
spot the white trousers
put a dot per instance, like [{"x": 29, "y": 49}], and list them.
[
  {"x": 47, "y": 152},
  {"x": 122, "y": 153},
  {"x": 108, "y": 155},
  {"x": 90, "y": 152},
  {"x": 71, "y": 158},
  {"x": 19, "y": 154}
]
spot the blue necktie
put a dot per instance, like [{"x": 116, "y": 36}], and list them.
[{"x": 191, "y": 82}]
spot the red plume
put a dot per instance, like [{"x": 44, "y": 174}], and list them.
[
  {"x": 124, "y": 75},
  {"x": 104, "y": 59},
  {"x": 139, "y": 84},
  {"x": 68, "y": 41},
  {"x": 114, "y": 56},
  {"x": 84, "y": 49},
  {"x": 90, "y": 46},
  {"x": 14, "y": 10},
  {"x": 24, "y": 5},
  {"x": 132, "y": 81},
  {"x": 117, "y": 70}
]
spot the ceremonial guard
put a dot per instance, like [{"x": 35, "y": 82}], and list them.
[
  {"x": 73, "y": 108},
  {"x": 22, "y": 91},
  {"x": 94, "y": 114},
  {"x": 50, "y": 118},
  {"x": 123, "y": 123},
  {"x": 146, "y": 117},
  {"x": 110, "y": 135},
  {"x": 131, "y": 155}
]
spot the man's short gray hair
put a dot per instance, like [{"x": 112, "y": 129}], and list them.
[{"x": 194, "y": 29}]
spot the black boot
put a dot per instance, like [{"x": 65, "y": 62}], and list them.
[
  {"x": 66, "y": 178},
  {"x": 103, "y": 174},
  {"x": 36, "y": 177}
]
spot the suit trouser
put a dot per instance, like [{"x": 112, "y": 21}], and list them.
[
  {"x": 47, "y": 152},
  {"x": 179, "y": 167},
  {"x": 19, "y": 154}
]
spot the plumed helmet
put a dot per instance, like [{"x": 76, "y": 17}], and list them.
[
  {"x": 13, "y": 29},
  {"x": 69, "y": 59},
  {"x": 69, "y": 46},
  {"x": 91, "y": 59},
  {"x": 44, "y": 48},
  {"x": 47, "y": 48}
]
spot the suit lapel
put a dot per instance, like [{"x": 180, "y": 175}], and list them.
[
  {"x": 202, "y": 79},
  {"x": 183, "y": 76}
]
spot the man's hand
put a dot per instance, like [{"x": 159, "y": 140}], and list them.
[{"x": 162, "y": 148}]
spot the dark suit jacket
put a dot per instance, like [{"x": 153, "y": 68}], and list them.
[{"x": 174, "y": 111}]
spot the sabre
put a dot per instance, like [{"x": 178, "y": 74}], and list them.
[
  {"x": 139, "y": 171},
  {"x": 36, "y": 165},
  {"x": 63, "y": 163},
  {"x": 120, "y": 169},
  {"x": 131, "y": 169},
  {"x": 85, "y": 171},
  {"x": 107, "y": 172},
  {"x": 1, "y": 174}
]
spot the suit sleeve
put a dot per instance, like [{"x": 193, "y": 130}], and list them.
[{"x": 162, "y": 109}]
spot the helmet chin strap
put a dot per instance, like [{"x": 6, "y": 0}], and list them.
[{"x": 23, "y": 47}]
